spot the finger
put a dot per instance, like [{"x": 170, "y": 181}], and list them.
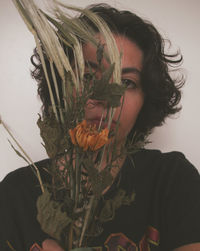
[{"x": 51, "y": 245}]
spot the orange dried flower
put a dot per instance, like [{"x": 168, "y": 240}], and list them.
[{"x": 87, "y": 136}]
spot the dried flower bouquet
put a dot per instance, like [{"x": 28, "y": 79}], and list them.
[{"x": 82, "y": 155}]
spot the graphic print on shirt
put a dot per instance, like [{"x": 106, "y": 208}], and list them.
[
  {"x": 151, "y": 236},
  {"x": 35, "y": 247},
  {"x": 119, "y": 241}
]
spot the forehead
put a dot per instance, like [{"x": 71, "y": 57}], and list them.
[{"x": 132, "y": 55}]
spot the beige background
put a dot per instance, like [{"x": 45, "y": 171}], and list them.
[{"x": 176, "y": 19}]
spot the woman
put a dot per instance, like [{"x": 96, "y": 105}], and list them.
[{"x": 165, "y": 212}]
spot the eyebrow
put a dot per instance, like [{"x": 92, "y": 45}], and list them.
[
  {"x": 131, "y": 70},
  {"x": 124, "y": 70}
]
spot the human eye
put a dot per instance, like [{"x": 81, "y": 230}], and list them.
[{"x": 129, "y": 84}]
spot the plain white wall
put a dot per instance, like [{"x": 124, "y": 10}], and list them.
[{"x": 176, "y": 19}]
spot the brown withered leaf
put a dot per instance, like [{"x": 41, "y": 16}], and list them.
[
  {"x": 103, "y": 90},
  {"x": 108, "y": 211},
  {"x": 50, "y": 216},
  {"x": 55, "y": 141},
  {"x": 99, "y": 53},
  {"x": 99, "y": 180}
]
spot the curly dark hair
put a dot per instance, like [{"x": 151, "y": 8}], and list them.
[{"x": 162, "y": 93}]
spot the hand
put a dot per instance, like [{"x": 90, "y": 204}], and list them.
[{"x": 51, "y": 245}]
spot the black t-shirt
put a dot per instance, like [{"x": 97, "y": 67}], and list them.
[{"x": 164, "y": 215}]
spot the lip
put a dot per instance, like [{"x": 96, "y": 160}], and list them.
[{"x": 96, "y": 121}]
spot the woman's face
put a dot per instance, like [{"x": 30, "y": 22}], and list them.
[{"x": 131, "y": 66}]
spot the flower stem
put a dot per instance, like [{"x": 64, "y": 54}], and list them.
[
  {"x": 28, "y": 159},
  {"x": 70, "y": 240},
  {"x": 87, "y": 216}
]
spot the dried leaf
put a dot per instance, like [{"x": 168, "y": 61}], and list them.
[
  {"x": 100, "y": 52},
  {"x": 60, "y": 29},
  {"x": 50, "y": 216},
  {"x": 108, "y": 211},
  {"x": 54, "y": 138},
  {"x": 104, "y": 90},
  {"x": 107, "y": 74},
  {"x": 99, "y": 180}
]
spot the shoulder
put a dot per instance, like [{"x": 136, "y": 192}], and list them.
[
  {"x": 171, "y": 186},
  {"x": 157, "y": 155},
  {"x": 23, "y": 178},
  {"x": 168, "y": 162},
  {"x": 168, "y": 173},
  {"x": 19, "y": 191}
]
